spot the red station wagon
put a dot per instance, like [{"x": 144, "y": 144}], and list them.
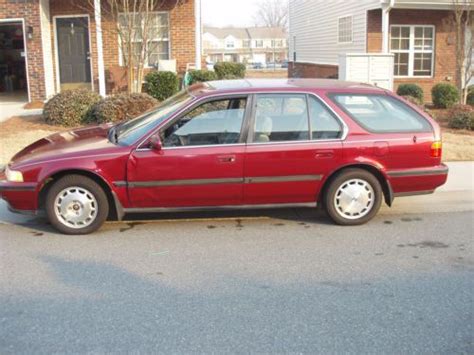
[{"x": 235, "y": 144}]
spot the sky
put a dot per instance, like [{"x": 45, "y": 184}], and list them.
[{"x": 221, "y": 13}]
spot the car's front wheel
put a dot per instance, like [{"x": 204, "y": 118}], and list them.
[
  {"x": 353, "y": 197},
  {"x": 76, "y": 204}
]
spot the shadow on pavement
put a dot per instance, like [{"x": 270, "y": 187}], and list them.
[{"x": 108, "y": 308}]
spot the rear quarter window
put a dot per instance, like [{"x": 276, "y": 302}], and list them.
[{"x": 381, "y": 113}]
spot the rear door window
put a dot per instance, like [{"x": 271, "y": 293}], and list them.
[
  {"x": 324, "y": 124},
  {"x": 281, "y": 117},
  {"x": 381, "y": 113}
]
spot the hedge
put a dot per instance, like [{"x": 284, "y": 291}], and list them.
[
  {"x": 198, "y": 76},
  {"x": 444, "y": 95},
  {"x": 413, "y": 100},
  {"x": 461, "y": 117},
  {"x": 411, "y": 90},
  {"x": 470, "y": 96},
  {"x": 70, "y": 107},
  {"x": 226, "y": 69},
  {"x": 161, "y": 84},
  {"x": 121, "y": 107}
]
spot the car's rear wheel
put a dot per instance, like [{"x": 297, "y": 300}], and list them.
[
  {"x": 76, "y": 204},
  {"x": 353, "y": 197}
]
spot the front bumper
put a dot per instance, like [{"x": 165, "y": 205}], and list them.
[{"x": 20, "y": 196}]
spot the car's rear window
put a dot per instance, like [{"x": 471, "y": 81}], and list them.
[{"x": 381, "y": 113}]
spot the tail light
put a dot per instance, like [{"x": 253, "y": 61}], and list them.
[{"x": 436, "y": 149}]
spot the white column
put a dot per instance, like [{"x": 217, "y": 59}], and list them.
[
  {"x": 385, "y": 29},
  {"x": 45, "y": 24},
  {"x": 100, "y": 51},
  {"x": 386, "y": 25},
  {"x": 197, "y": 18}
]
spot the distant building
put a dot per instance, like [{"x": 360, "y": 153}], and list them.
[{"x": 245, "y": 45}]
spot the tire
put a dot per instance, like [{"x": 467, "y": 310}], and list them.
[
  {"x": 76, "y": 204},
  {"x": 353, "y": 197}
]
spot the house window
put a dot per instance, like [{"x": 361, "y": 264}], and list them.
[
  {"x": 413, "y": 50},
  {"x": 259, "y": 43},
  {"x": 277, "y": 43},
  {"x": 344, "y": 34},
  {"x": 246, "y": 43},
  {"x": 229, "y": 44},
  {"x": 157, "y": 35}
]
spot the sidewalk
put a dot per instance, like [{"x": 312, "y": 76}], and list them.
[
  {"x": 460, "y": 177},
  {"x": 8, "y": 110}
]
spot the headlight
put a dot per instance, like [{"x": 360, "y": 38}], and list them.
[{"x": 13, "y": 175}]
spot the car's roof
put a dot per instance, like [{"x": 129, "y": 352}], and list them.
[{"x": 242, "y": 85}]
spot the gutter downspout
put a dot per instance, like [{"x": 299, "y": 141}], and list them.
[
  {"x": 386, "y": 25},
  {"x": 100, "y": 50},
  {"x": 198, "y": 33}
]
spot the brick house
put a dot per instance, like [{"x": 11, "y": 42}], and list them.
[
  {"x": 50, "y": 45},
  {"x": 418, "y": 33}
]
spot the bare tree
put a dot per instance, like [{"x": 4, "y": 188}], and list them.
[
  {"x": 135, "y": 25},
  {"x": 272, "y": 13},
  {"x": 462, "y": 19}
]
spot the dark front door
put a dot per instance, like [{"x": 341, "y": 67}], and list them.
[{"x": 73, "y": 52}]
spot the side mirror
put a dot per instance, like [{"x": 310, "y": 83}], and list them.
[{"x": 155, "y": 142}]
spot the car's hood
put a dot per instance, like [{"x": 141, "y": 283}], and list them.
[{"x": 68, "y": 144}]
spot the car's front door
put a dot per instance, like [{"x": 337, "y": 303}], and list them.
[
  {"x": 201, "y": 160},
  {"x": 294, "y": 142}
]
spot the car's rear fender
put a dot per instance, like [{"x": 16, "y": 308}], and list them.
[{"x": 373, "y": 167}]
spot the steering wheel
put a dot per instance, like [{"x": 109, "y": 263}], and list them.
[{"x": 176, "y": 141}]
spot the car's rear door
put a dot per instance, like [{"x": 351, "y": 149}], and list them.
[
  {"x": 294, "y": 141},
  {"x": 201, "y": 162}
]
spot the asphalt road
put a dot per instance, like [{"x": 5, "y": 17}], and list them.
[{"x": 263, "y": 281}]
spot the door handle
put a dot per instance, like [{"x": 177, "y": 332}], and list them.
[
  {"x": 324, "y": 154},
  {"x": 226, "y": 158}
]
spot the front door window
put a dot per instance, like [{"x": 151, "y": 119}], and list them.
[{"x": 212, "y": 123}]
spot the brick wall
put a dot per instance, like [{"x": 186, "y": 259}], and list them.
[
  {"x": 182, "y": 30},
  {"x": 445, "y": 51},
  {"x": 309, "y": 70},
  {"x": 29, "y": 11},
  {"x": 182, "y": 39}
]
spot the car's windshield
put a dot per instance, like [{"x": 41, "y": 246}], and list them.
[{"x": 129, "y": 132}]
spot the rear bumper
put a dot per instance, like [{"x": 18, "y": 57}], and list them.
[{"x": 407, "y": 182}]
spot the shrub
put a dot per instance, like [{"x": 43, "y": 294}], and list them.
[
  {"x": 121, "y": 107},
  {"x": 199, "y": 76},
  {"x": 413, "y": 100},
  {"x": 470, "y": 96},
  {"x": 461, "y": 117},
  {"x": 70, "y": 107},
  {"x": 224, "y": 69},
  {"x": 412, "y": 90},
  {"x": 161, "y": 84},
  {"x": 230, "y": 77},
  {"x": 444, "y": 95}
]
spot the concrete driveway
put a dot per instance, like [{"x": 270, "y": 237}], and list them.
[
  {"x": 262, "y": 281},
  {"x": 13, "y": 105}
]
